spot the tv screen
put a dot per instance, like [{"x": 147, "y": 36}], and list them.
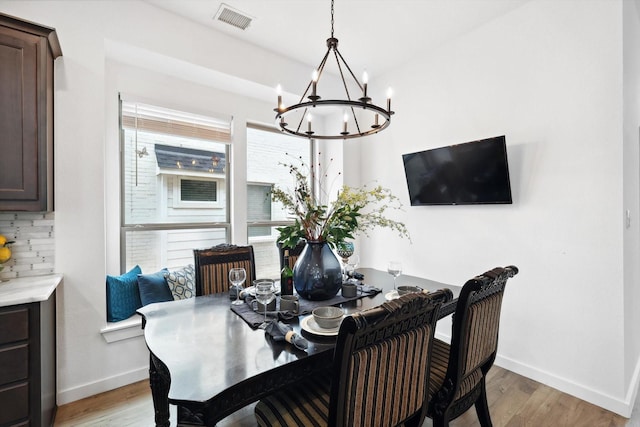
[{"x": 475, "y": 172}]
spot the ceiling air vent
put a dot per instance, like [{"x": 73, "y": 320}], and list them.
[{"x": 232, "y": 16}]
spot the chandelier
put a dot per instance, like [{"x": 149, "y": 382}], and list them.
[{"x": 360, "y": 117}]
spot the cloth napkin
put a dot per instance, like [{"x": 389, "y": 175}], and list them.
[{"x": 282, "y": 332}]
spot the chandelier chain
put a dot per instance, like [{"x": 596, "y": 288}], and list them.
[{"x": 331, "y": 18}]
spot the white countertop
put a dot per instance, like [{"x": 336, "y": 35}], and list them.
[{"x": 23, "y": 290}]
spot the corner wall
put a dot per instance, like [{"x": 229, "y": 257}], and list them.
[
  {"x": 631, "y": 168},
  {"x": 548, "y": 75}
]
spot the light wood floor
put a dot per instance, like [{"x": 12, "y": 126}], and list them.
[{"x": 514, "y": 401}]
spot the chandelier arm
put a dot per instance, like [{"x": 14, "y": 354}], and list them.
[
  {"x": 337, "y": 55},
  {"x": 304, "y": 113},
  {"x": 355, "y": 120},
  {"x": 322, "y": 64},
  {"x": 304, "y": 95},
  {"x": 344, "y": 82},
  {"x": 319, "y": 70},
  {"x": 349, "y": 68}
]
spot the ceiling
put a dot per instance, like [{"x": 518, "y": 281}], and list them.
[{"x": 374, "y": 35}]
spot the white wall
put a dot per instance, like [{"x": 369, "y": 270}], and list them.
[
  {"x": 96, "y": 39},
  {"x": 547, "y": 75}
]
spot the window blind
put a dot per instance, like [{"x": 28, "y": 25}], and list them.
[
  {"x": 161, "y": 120},
  {"x": 198, "y": 190}
]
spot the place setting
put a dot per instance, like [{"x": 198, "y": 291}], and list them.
[
  {"x": 324, "y": 321},
  {"x": 262, "y": 301}
]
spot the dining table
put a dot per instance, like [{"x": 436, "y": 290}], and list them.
[{"x": 210, "y": 362}]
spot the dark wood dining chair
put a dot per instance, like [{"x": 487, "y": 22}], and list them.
[
  {"x": 294, "y": 253},
  {"x": 458, "y": 370},
  {"x": 380, "y": 373},
  {"x": 213, "y": 265}
]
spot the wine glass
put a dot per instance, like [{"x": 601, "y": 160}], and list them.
[
  {"x": 344, "y": 251},
  {"x": 264, "y": 295},
  {"x": 352, "y": 263},
  {"x": 395, "y": 269},
  {"x": 237, "y": 276}
]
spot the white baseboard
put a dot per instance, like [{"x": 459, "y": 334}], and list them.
[
  {"x": 100, "y": 386},
  {"x": 619, "y": 406},
  {"x": 610, "y": 403},
  {"x": 632, "y": 391}
]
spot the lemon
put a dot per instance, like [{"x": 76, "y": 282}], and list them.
[
  {"x": 5, "y": 254},
  {"x": 3, "y": 240}
]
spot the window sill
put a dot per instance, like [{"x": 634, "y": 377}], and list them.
[{"x": 122, "y": 330}]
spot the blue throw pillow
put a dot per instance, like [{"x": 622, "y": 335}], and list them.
[
  {"x": 153, "y": 287},
  {"x": 123, "y": 298}
]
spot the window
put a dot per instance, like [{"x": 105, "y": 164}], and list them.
[
  {"x": 198, "y": 193},
  {"x": 174, "y": 185},
  {"x": 267, "y": 149},
  {"x": 193, "y": 190},
  {"x": 259, "y": 208}
]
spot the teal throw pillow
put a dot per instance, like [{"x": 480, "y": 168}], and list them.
[
  {"x": 123, "y": 298},
  {"x": 182, "y": 282},
  {"x": 153, "y": 287}
]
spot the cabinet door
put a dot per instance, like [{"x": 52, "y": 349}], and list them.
[{"x": 19, "y": 118}]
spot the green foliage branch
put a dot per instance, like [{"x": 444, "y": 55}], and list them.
[{"x": 355, "y": 210}]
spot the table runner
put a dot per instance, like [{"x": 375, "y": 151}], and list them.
[{"x": 254, "y": 318}]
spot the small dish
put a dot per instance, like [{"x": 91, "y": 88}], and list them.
[
  {"x": 308, "y": 324},
  {"x": 404, "y": 289},
  {"x": 391, "y": 295}
]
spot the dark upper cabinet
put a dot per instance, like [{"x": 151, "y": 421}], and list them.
[{"x": 27, "y": 52}]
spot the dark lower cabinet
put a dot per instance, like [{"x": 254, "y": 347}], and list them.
[{"x": 28, "y": 364}]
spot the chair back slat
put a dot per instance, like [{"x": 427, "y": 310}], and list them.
[
  {"x": 382, "y": 359},
  {"x": 213, "y": 265},
  {"x": 378, "y": 380},
  {"x": 481, "y": 333}
]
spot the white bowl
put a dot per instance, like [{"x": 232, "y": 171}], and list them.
[{"x": 328, "y": 317}]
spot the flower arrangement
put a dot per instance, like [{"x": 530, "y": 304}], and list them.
[
  {"x": 353, "y": 210},
  {"x": 5, "y": 252}
]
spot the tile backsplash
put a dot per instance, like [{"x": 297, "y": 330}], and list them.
[{"x": 34, "y": 247}]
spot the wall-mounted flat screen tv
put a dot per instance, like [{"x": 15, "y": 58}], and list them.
[{"x": 474, "y": 172}]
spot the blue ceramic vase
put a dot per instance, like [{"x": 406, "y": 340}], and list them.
[{"x": 317, "y": 273}]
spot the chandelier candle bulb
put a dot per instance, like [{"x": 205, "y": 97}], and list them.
[
  {"x": 346, "y": 119},
  {"x": 314, "y": 85},
  {"x": 365, "y": 81},
  {"x": 279, "y": 92},
  {"x": 389, "y": 93},
  {"x": 309, "y": 123}
]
